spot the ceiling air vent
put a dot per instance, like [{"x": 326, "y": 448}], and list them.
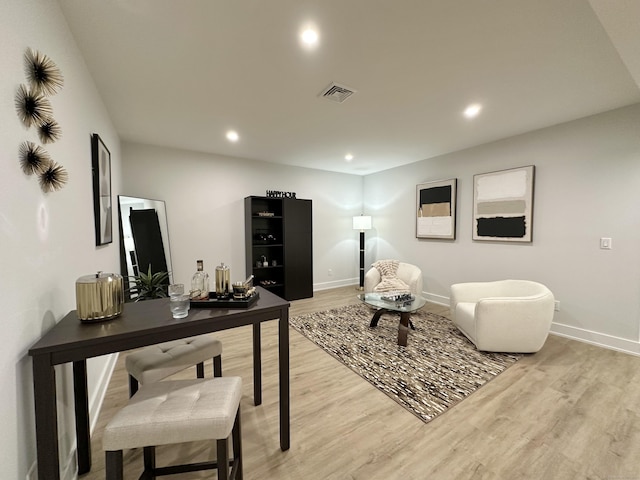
[{"x": 337, "y": 93}]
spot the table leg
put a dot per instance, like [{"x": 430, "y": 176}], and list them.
[
  {"x": 44, "y": 393},
  {"x": 81, "y": 401},
  {"x": 257, "y": 365},
  {"x": 283, "y": 361},
  {"x": 376, "y": 317},
  {"x": 403, "y": 328}
]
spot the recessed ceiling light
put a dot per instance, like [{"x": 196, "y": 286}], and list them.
[
  {"x": 348, "y": 157},
  {"x": 472, "y": 110},
  {"x": 309, "y": 37},
  {"x": 232, "y": 136}
]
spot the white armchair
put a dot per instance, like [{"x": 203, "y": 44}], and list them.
[
  {"x": 503, "y": 316},
  {"x": 408, "y": 273}
]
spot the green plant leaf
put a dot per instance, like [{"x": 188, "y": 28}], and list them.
[{"x": 149, "y": 285}]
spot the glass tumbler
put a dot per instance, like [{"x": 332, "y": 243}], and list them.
[
  {"x": 176, "y": 289},
  {"x": 179, "y": 305}
]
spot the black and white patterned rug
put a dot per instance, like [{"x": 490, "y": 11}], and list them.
[{"x": 438, "y": 368}]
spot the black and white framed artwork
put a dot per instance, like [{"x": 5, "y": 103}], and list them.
[
  {"x": 503, "y": 205},
  {"x": 436, "y": 209},
  {"x": 102, "y": 205}
]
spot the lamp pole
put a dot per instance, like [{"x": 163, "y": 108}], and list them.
[
  {"x": 361, "y": 287},
  {"x": 362, "y": 223}
]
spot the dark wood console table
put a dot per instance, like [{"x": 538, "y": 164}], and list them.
[{"x": 141, "y": 324}]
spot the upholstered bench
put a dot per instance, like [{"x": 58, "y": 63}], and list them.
[
  {"x": 176, "y": 411},
  {"x": 156, "y": 362}
]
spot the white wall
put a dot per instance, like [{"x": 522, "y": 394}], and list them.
[
  {"x": 47, "y": 240},
  {"x": 586, "y": 187},
  {"x": 204, "y": 197}
]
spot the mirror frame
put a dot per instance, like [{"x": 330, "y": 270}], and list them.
[{"x": 125, "y": 204}]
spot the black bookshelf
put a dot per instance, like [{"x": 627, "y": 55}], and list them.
[{"x": 279, "y": 231}]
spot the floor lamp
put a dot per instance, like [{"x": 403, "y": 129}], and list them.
[{"x": 362, "y": 223}]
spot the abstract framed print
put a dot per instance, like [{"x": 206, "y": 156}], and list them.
[
  {"x": 102, "y": 206},
  {"x": 503, "y": 205},
  {"x": 436, "y": 209}
]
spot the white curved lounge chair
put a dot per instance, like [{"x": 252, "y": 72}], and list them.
[
  {"x": 408, "y": 273},
  {"x": 503, "y": 316}
]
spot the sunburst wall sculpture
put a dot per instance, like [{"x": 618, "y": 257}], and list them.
[
  {"x": 32, "y": 106},
  {"x": 33, "y": 158},
  {"x": 34, "y": 110},
  {"x": 49, "y": 131},
  {"x": 43, "y": 74},
  {"x": 53, "y": 178}
]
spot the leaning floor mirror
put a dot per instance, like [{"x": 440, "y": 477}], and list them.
[{"x": 144, "y": 238}]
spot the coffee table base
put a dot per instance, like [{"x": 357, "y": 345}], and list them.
[{"x": 403, "y": 326}]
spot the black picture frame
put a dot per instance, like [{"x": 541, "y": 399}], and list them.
[
  {"x": 102, "y": 201},
  {"x": 436, "y": 209},
  {"x": 503, "y": 205}
]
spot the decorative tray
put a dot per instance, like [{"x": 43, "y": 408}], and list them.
[
  {"x": 229, "y": 302},
  {"x": 399, "y": 298}
]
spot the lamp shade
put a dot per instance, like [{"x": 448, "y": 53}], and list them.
[{"x": 362, "y": 222}]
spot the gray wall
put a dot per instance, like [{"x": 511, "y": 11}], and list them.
[{"x": 586, "y": 187}]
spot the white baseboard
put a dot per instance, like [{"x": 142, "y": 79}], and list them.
[
  {"x": 438, "y": 299},
  {"x": 334, "y": 284},
  {"x": 595, "y": 338}
]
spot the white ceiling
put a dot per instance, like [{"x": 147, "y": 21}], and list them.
[{"x": 180, "y": 73}]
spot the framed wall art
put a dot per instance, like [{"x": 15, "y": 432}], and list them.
[
  {"x": 102, "y": 205},
  {"x": 503, "y": 205},
  {"x": 436, "y": 209}
]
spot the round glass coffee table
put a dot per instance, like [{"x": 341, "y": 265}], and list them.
[{"x": 390, "y": 303}]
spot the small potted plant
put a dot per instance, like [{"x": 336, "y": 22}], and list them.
[{"x": 148, "y": 285}]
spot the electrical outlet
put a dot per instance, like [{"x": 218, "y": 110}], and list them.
[
  {"x": 556, "y": 307},
  {"x": 330, "y": 273},
  {"x": 605, "y": 243}
]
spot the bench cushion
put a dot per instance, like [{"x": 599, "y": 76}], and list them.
[
  {"x": 175, "y": 411},
  {"x": 156, "y": 362}
]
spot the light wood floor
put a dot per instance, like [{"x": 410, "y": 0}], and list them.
[{"x": 571, "y": 411}]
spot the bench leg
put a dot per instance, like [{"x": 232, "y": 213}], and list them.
[
  {"x": 217, "y": 366},
  {"x": 223, "y": 459},
  {"x": 133, "y": 386},
  {"x": 113, "y": 465},
  {"x": 149, "y": 455},
  {"x": 237, "y": 447}
]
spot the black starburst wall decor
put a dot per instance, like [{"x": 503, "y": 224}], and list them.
[
  {"x": 49, "y": 131},
  {"x": 34, "y": 110},
  {"x": 33, "y": 158},
  {"x": 53, "y": 178},
  {"x": 32, "y": 106},
  {"x": 43, "y": 74}
]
